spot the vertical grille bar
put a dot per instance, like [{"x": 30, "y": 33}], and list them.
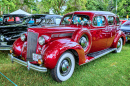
[{"x": 31, "y": 45}]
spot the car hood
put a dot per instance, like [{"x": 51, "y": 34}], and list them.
[{"x": 56, "y": 29}]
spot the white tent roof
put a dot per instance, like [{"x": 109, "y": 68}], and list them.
[{"x": 20, "y": 12}]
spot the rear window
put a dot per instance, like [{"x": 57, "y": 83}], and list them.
[{"x": 110, "y": 20}]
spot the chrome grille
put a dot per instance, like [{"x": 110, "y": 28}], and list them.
[{"x": 31, "y": 44}]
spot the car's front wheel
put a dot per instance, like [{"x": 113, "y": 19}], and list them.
[
  {"x": 119, "y": 46},
  {"x": 64, "y": 68}
]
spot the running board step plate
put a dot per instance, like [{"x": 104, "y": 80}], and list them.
[{"x": 101, "y": 53}]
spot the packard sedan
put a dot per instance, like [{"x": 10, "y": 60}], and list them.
[{"x": 82, "y": 36}]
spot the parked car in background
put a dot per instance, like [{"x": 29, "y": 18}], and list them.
[
  {"x": 82, "y": 35},
  {"x": 44, "y": 20},
  {"x": 1, "y": 19},
  {"x": 126, "y": 29},
  {"x": 14, "y": 25},
  {"x": 123, "y": 21},
  {"x": 10, "y": 29}
]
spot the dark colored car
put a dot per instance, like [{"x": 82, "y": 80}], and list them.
[
  {"x": 10, "y": 29},
  {"x": 125, "y": 27},
  {"x": 15, "y": 25},
  {"x": 44, "y": 20}
]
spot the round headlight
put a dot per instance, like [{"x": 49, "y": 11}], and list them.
[
  {"x": 41, "y": 40},
  {"x": 23, "y": 37},
  {"x": 2, "y": 37}
]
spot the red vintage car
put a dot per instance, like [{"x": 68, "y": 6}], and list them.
[{"x": 82, "y": 36}]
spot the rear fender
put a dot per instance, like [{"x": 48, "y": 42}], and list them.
[
  {"x": 120, "y": 34},
  {"x": 52, "y": 52}
]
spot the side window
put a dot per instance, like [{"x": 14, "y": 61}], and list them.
[
  {"x": 117, "y": 21},
  {"x": 110, "y": 20},
  {"x": 66, "y": 19},
  {"x": 98, "y": 21}
]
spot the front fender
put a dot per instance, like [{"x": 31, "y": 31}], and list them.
[
  {"x": 119, "y": 34},
  {"x": 17, "y": 47},
  {"x": 53, "y": 51}
]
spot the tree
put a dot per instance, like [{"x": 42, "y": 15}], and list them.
[
  {"x": 55, "y": 5},
  {"x": 75, "y": 5},
  {"x": 123, "y": 8}
]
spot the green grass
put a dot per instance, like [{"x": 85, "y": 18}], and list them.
[{"x": 110, "y": 70}]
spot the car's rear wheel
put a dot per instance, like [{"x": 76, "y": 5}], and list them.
[
  {"x": 119, "y": 46},
  {"x": 64, "y": 68}
]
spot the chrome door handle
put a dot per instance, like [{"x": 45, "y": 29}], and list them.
[{"x": 106, "y": 31}]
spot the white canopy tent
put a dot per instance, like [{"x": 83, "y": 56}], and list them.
[{"x": 20, "y": 12}]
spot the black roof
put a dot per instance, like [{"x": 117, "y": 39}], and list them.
[
  {"x": 15, "y": 15},
  {"x": 43, "y": 15}
]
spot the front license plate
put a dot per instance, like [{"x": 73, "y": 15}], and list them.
[
  {"x": 3, "y": 43},
  {"x": 36, "y": 57}
]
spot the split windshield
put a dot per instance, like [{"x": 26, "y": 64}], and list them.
[{"x": 76, "y": 19}]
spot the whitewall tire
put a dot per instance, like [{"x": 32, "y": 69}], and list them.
[
  {"x": 119, "y": 46},
  {"x": 64, "y": 67}
]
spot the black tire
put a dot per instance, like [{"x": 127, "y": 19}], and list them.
[
  {"x": 119, "y": 46},
  {"x": 64, "y": 67}
]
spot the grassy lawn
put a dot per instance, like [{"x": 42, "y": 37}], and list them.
[{"x": 110, "y": 70}]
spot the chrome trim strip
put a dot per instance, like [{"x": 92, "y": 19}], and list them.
[
  {"x": 27, "y": 64},
  {"x": 8, "y": 47}
]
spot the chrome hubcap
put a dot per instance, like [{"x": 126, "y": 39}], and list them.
[
  {"x": 65, "y": 66},
  {"x": 84, "y": 42},
  {"x": 119, "y": 44}
]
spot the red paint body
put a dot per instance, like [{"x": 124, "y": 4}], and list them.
[{"x": 100, "y": 37}]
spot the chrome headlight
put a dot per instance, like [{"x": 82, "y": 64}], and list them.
[
  {"x": 2, "y": 37},
  {"x": 41, "y": 40},
  {"x": 23, "y": 37}
]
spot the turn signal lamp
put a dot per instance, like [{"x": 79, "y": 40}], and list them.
[
  {"x": 11, "y": 51},
  {"x": 39, "y": 62}
]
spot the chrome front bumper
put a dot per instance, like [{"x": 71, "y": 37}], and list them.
[
  {"x": 7, "y": 47},
  {"x": 27, "y": 64}
]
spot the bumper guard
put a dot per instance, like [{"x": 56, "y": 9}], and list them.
[{"x": 27, "y": 64}]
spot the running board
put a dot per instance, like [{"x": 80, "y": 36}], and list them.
[
  {"x": 101, "y": 53},
  {"x": 92, "y": 56}
]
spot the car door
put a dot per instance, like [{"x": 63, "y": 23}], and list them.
[{"x": 99, "y": 33}]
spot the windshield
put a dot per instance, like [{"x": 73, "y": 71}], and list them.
[
  {"x": 35, "y": 21},
  {"x": 77, "y": 19},
  {"x": 15, "y": 19},
  {"x": 127, "y": 23},
  {"x": 51, "y": 21}
]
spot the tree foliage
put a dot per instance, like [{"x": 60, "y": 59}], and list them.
[
  {"x": 44, "y": 6},
  {"x": 124, "y": 8}
]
